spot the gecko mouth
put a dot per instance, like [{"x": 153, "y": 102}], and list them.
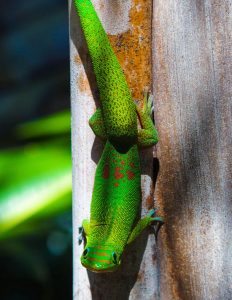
[{"x": 94, "y": 270}]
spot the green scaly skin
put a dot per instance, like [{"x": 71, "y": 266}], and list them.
[{"x": 117, "y": 188}]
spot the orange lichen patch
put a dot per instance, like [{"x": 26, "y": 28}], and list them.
[
  {"x": 149, "y": 202},
  {"x": 106, "y": 172},
  {"x": 83, "y": 83},
  {"x": 77, "y": 59},
  {"x": 133, "y": 48},
  {"x": 117, "y": 173},
  {"x": 130, "y": 175}
]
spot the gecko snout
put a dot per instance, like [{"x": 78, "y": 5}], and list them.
[{"x": 100, "y": 259}]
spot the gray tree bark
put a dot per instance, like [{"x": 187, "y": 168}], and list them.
[
  {"x": 190, "y": 70},
  {"x": 192, "y": 47}
]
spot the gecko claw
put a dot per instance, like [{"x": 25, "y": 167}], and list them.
[
  {"x": 81, "y": 235},
  {"x": 158, "y": 224},
  {"x": 148, "y": 104}
]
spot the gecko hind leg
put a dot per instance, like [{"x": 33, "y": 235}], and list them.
[
  {"x": 150, "y": 219},
  {"x": 97, "y": 125},
  {"x": 147, "y": 135}
]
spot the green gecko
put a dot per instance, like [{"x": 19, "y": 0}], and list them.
[{"x": 116, "y": 197}]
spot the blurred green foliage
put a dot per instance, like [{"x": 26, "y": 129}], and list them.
[
  {"x": 35, "y": 155},
  {"x": 35, "y": 178},
  {"x": 35, "y": 211}
]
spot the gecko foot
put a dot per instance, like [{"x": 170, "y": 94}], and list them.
[
  {"x": 145, "y": 108},
  {"x": 155, "y": 221}
]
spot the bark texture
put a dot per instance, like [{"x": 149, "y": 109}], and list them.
[
  {"x": 192, "y": 78},
  {"x": 183, "y": 50}
]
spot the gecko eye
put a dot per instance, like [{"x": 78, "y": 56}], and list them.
[
  {"x": 85, "y": 252},
  {"x": 114, "y": 256}
]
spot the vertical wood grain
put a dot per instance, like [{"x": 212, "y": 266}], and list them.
[{"x": 192, "y": 80}]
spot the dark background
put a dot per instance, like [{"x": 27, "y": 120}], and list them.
[{"x": 36, "y": 253}]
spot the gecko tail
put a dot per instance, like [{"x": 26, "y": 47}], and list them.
[{"x": 94, "y": 32}]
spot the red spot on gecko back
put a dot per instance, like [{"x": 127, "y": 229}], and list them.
[
  {"x": 130, "y": 175},
  {"x": 117, "y": 173},
  {"x": 132, "y": 165},
  {"x": 116, "y": 184},
  {"x": 106, "y": 172},
  {"x": 123, "y": 162}
]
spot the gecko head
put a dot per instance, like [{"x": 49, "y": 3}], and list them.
[{"x": 100, "y": 259}]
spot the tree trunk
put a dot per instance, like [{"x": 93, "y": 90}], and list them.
[
  {"x": 189, "y": 69},
  {"x": 192, "y": 46}
]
